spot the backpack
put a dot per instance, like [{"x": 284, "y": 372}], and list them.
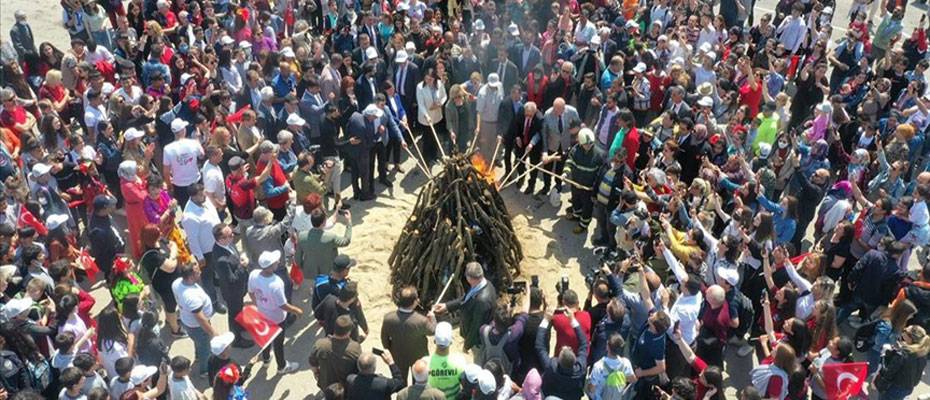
[
  {"x": 40, "y": 374},
  {"x": 614, "y": 385},
  {"x": 864, "y": 338},
  {"x": 488, "y": 352},
  {"x": 13, "y": 374},
  {"x": 761, "y": 375},
  {"x": 747, "y": 314}
]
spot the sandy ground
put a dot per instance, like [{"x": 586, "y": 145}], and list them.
[{"x": 551, "y": 249}]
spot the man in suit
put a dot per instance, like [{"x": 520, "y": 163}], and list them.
[
  {"x": 234, "y": 271},
  {"x": 677, "y": 104},
  {"x": 404, "y": 331},
  {"x": 370, "y": 27},
  {"x": 368, "y": 384},
  {"x": 317, "y": 248},
  {"x": 394, "y": 109},
  {"x": 386, "y": 131},
  {"x": 267, "y": 117},
  {"x": 525, "y": 54},
  {"x": 360, "y": 54},
  {"x": 524, "y": 129},
  {"x": 21, "y": 37},
  {"x": 477, "y": 304},
  {"x": 251, "y": 93},
  {"x": 510, "y": 108},
  {"x": 366, "y": 88},
  {"x": 608, "y": 47},
  {"x": 560, "y": 124},
  {"x": 311, "y": 107},
  {"x": 362, "y": 130},
  {"x": 405, "y": 75},
  {"x": 331, "y": 78},
  {"x": 291, "y": 106},
  {"x": 505, "y": 69}
]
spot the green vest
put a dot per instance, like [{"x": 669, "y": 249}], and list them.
[{"x": 444, "y": 375}]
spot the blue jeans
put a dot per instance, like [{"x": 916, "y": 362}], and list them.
[
  {"x": 854, "y": 304},
  {"x": 895, "y": 393},
  {"x": 201, "y": 347}
]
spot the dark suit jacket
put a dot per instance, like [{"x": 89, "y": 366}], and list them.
[
  {"x": 363, "y": 92},
  {"x": 365, "y": 386},
  {"x": 105, "y": 243},
  {"x": 516, "y": 55},
  {"x": 614, "y": 124},
  {"x": 475, "y": 312},
  {"x": 506, "y": 115},
  {"x": 410, "y": 84},
  {"x": 516, "y": 129},
  {"x": 511, "y": 75},
  {"x": 358, "y": 128},
  {"x": 228, "y": 267}
]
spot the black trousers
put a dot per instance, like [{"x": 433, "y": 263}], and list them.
[
  {"x": 582, "y": 205},
  {"x": 278, "y": 346},
  {"x": 360, "y": 172},
  {"x": 378, "y": 153},
  {"x": 234, "y": 294},
  {"x": 534, "y": 158},
  {"x": 208, "y": 277},
  {"x": 392, "y": 152},
  {"x": 181, "y": 194}
]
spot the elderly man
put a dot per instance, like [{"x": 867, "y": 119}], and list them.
[
  {"x": 265, "y": 235},
  {"x": 199, "y": 218},
  {"x": 559, "y": 126},
  {"x": 477, "y": 305},
  {"x": 369, "y": 385},
  {"x": 276, "y": 190},
  {"x": 361, "y": 131},
  {"x": 487, "y": 105},
  {"x": 420, "y": 390},
  {"x": 21, "y": 37}
]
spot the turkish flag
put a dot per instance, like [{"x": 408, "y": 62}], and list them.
[
  {"x": 27, "y": 219},
  {"x": 798, "y": 259},
  {"x": 843, "y": 381},
  {"x": 297, "y": 276},
  {"x": 263, "y": 330},
  {"x": 89, "y": 264}
]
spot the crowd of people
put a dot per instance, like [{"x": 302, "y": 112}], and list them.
[{"x": 705, "y": 140}]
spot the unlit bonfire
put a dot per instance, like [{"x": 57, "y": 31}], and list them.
[{"x": 459, "y": 217}]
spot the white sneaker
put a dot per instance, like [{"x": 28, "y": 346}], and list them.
[{"x": 288, "y": 368}]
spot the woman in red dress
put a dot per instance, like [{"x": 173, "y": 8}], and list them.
[{"x": 134, "y": 192}]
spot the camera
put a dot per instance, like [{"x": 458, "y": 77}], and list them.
[
  {"x": 562, "y": 285},
  {"x": 516, "y": 287}
]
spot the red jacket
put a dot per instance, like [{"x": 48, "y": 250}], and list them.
[{"x": 278, "y": 178}]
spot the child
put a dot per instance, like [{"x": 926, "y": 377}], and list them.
[
  {"x": 72, "y": 382},
  {"x": 67, "y": 346},
  {"x": 122, "y": 382},
  {"x": 180, "y": 386},
  {"x": 87, "y": 363},
  {"x": 219, "y": 347}
]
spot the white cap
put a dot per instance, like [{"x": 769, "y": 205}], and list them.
[
  {"x": 15, "y": 307},
  {"x": 513, "y": 29},
  {"x": 372, "y": 110},
  {"x": 400, "y": 56},
  {"x": 178, "y": 125},
  {"x": 403, "y": 6},
  {"x": 711, "y": 54},
  {"x": 728, "y": 275},
  {"x": 585, "y": 136},
  {"x": 631, "y": 24},
  {"x": 269, "y": 258},
  {"x": 55, "y": 220},
  {"x": 245, "y": 44},
  {"x": 706, "y": 102},
  {"x": 494, "y": 80},
  {"x": 140, "y": 373},
  {"x": 185, "y": 77},
  {"x": 471, "y": 372},
  {"x": 370, "y": 52},
  {"x": 706, "y": 47},
  {"x": 295, "y": 119},
  {"x": 41, "y": 169},
  {"x": 640, "y": 67},
  {"x": 288, "y": 52},
  {"x": 220, "y": 343},
  {"x": 443, "y": 334},
  {"x": 764, "y": 150},
  {"x": 478, "y": 25},
  {"x": 132, "y": 134},
  {"x": 226, "y": 40},
  {"x": 410, "y": 47},
  {"x": 486, "y": 382}
]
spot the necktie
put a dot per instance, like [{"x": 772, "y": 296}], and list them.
[
  {"x": 560, "y": 124},
  {"x": 500, "y": 71},
  {"x": 319, "y": 100},
  {"x": 338, "y": 75},
  {"x": 401, "y": 79}
]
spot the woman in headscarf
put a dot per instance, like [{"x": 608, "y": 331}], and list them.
[{"x": 134, "y": 193}]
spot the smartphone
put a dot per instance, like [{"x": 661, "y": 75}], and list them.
[
  {"x": 677, "y": 325},
  {"x": 376, "y": 351}
]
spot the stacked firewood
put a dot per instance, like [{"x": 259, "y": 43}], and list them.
[{"x": 459, "y": 217}]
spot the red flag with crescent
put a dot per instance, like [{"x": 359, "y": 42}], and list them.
[
  {"x": 27, "y": 219},
  {"x": 843, "y": 381},
  {"x": 89, "y": 264},
  {"x": 262, "y": 329}
]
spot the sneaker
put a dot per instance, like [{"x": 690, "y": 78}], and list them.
[
  {"x": 288, "y": 368},
  {"x": 266, "y": 360},
  {"x": 219, "y": 308}
]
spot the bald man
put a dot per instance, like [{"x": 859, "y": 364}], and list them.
[{"x": 420, "y": 390}]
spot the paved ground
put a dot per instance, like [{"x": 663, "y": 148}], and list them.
[{"x": 45, "y": 17}]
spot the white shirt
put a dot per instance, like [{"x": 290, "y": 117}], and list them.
[
  {"x": 110, "y": 351},
  {"x": 685, "y": 310},
  {"x": 213, "y": 182},
  {"x": 791, "y": 33},
  {"x": 488, "y": 103},
  {"x": 198, "y": 222},
  {"x": 269, "y": 295},
  {"x": 181, "y": 158},
  {"x": 93, "y": 116},
  {"x": 182, "y": 388},
  {"x": 130, "y": 95},
  {"x": 191, "y": 299}
]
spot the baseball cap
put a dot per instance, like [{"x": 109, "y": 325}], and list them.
[
  {"x": 220, "y": 343},
  {"x": 178, "y": 125},
  {"x": 41, "y": 169},
  {"x": 486, "y": 382},
  {"x": 269, "y": 258},
  {"x": 55, "y": 220},
  {"x": 728, "y": 275},
  {"x": 372, "y": 110},
  {"x": 295, "y": 119},
  {"x": 371, "y": 53},
  {"x": 471, "y": 372},
  {"x": 443, "y": 335},
  {"x": 103, "y": 200},
  {"x": 132, "y": 134},
  {"x": 400, "y": 56},
  {"x": 140, "y": 373},
  {"x": 16, "y": 306},
  {"x": 342, "y": 262},
  {"x": 235, "y": 162}
]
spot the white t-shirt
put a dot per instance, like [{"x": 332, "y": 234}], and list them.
[
  {"x": 110, "y": 351},
  {"x": 213, "y": 179},
  {"x": 118, "y": 387},
  {"x": 181, "y": 158},
  {"x": 269, "y": 295},
  {"x": 182, "y": 389},
  {"x": 191, "y": 298}
]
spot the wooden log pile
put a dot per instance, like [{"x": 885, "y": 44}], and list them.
[{"x": 459, "y": 217}]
